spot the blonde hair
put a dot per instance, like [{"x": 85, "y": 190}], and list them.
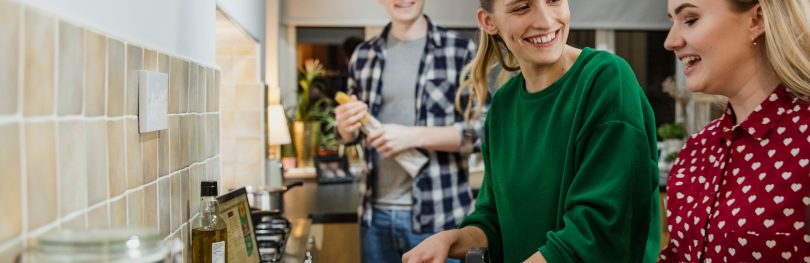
[
  {"x": 475, "y": 75},
  {"x": 786, "y": 44}
]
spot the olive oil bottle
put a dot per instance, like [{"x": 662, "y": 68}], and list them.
[{"x": 209, "y": 233}]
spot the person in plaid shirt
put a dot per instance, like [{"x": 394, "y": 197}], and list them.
[{"x": 407, "y": 77}]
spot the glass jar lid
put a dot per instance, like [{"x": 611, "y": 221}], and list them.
[{"x": 131, "y": 245}]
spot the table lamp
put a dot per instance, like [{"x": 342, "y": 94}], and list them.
[{"x": 278, "y": 134}]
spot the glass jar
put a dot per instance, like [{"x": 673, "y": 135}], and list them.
[{"x": 118, "y": 245}]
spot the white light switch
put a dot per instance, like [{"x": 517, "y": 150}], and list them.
[{"x": 153, "y": 102}]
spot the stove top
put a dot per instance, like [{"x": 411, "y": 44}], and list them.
[{"x": 272, "y": 232}]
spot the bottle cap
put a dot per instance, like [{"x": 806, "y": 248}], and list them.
[{"x": 208, "y": 188}]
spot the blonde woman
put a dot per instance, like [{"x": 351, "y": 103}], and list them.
[
  {"x": 739, "y": 189},
  {"x": 569, "y": 145}
]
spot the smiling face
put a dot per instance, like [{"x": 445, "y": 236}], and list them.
[
  {"x": 405, "y": 11},
  {"x": 534, "y": 30},
  {"x": 714, "y": 43}
]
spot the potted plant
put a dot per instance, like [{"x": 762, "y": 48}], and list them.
[
  {"x": 672, "y": 136},
  {"x": 307, "y": 126}
]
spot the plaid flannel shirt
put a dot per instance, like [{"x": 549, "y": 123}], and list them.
[{"x": 441, "y": 191}]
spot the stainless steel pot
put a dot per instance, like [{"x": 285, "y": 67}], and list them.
[{"x": 269, "y": 198}]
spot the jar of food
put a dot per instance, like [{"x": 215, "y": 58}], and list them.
[{"x": 118, "y": 245}]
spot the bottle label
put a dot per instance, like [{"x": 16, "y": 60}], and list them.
[{"x": 218, "y": 252}]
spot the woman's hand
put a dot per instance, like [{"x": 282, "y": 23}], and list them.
[
  {"x": 392, "y": 139},
  {"x": 434, "y": 249},
  {"x": 347, "y": 119}
]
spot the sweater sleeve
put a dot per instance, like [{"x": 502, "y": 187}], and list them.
[
  {"x": 608, "y": 210},
  {"x": 485, "y": 214}
]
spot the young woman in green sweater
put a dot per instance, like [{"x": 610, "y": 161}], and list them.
[{"x": 569, "y": 146}]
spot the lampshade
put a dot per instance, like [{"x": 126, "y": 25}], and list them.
[{"x": 277, "y": 128}]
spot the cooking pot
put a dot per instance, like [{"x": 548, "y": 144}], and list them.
[{"x": 269, "y": 198}]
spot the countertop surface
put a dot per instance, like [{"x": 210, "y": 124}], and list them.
[{"x": 317, "y": 204}]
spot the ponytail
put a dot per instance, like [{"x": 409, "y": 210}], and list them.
[{"x": 476, "y": 73}]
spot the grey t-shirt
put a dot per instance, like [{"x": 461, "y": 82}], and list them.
[{"x": 393, "y": 186}]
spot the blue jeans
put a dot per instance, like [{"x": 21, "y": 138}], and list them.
[{"x": 389, "y": 236}]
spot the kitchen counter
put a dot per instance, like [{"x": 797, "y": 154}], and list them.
[{"x": 315, "y": 209}]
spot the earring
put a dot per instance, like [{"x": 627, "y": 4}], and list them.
[{"x": 754, "y": 42}]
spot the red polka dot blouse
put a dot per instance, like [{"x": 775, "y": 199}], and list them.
[{"x": 739, "y": 193}]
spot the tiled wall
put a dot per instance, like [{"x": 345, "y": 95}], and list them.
[
  {"x": 70, "y": 151},
  {"x": 242, "y": 109}
]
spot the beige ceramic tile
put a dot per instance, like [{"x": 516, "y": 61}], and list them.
[
  {"x": 194, "y": 191},
  {"x": 10, "y": 188},
  {"x": 193, "y": 86},
  {"x": 202, "y": 137},
  {"x": 211, "y": 171},
  {"x": 134, "y": 63},
  {"x": 134, "y": 150},
  {"x": 249, "y": 174},
  {"x": 223, "y": 50},
  {"x": 210, "y": 93},
  {"x": 150, "y": 206},
  {"x": 118, "y": 212},
  {"x": 9, "y": 56},
  {"x": 250, "y": 150},
  {"x": 70, "y": 85},
  {"x": 216, "y": 128},
  {"x": 9, "y": 253},
  {"x": 248, "y": 50},
  {"x": 76, "y": 222},
  {"x": 228, "y": 75},
  {"x": 95, "y": 57},
  {"x": 184, "y": 81},
  {"x": 97, "y": 179},
  {"x": 202, "y": 84},
  {"x": 72, "y": 166},
  {"x": 229, "y": 121},
  {"x": 164, "y": 160},
  {"x": 116, "y": 156},
  {"x": 164, "y": 205},
  {"x": 228, "y": 97},
  {"x": 116, "y": 77},
  {"x": 185, "y": 236},
  {"x": 40, "y": 158},
  {"x": 175, "y": 159},
  {"x": 185, "y": 140},
  {"x": 39, "y": 63},
  {"x": 246, "y": 70},
  {"x": 150, "y": 60},
  {"x": 249, "y": 123},
  {"x": 164, "y": 64},
  {"x": 202, "y": 170},
  {"x": 184, "y": 195},
  {"x": 217, "y": 91},
  {"x": 176, "y": 80},
  {"x": 149, "y": 141},
  {"x": 214, "y": 166},
  {"x": 212, "y": 134},
  {"x": 193, "y": 138},
  {"x": 249, "y": 97},
  {"x": 229, "y": 150},
  {"x": 135, "y": 211},
  {"x": 176, "y": 208},
  {"x": 229, "y": 169},
  {"x": 98, "y": 217}
]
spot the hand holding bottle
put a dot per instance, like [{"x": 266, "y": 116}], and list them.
[{"x": 411, "y": 159}]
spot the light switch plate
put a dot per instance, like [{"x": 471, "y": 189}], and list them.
[{"x": 153, "y": 101}]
